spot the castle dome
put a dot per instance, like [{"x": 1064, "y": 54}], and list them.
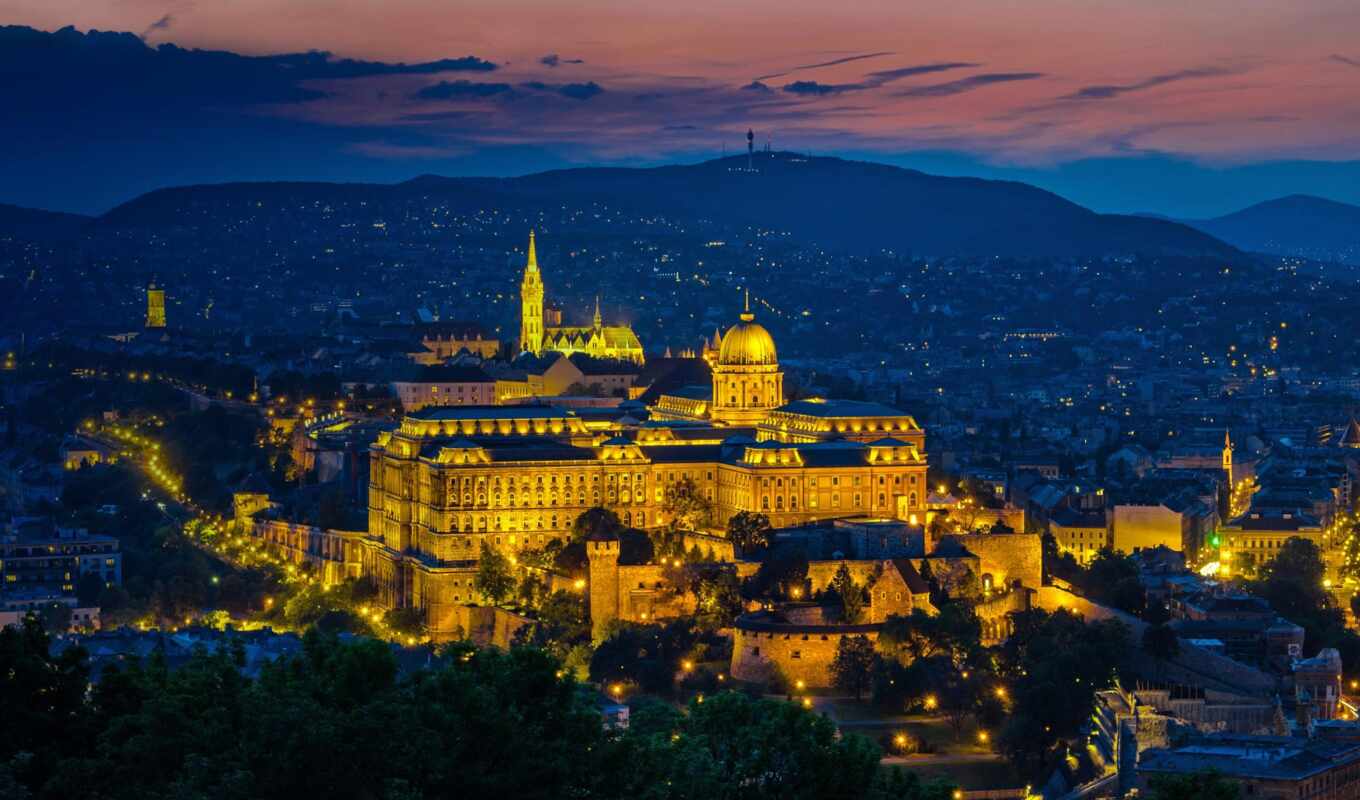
[{"x": 747, "y": 344}]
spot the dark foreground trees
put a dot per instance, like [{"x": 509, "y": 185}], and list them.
[{"x": 338, "y": 720}]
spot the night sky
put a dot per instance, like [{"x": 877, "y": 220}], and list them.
[{"x": 1189, "y": 109}]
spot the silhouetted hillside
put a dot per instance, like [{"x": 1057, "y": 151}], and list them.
[
  {"x": 1298, "y": 225},
  {"x": 24, "y": 223},
  {"x": 854, "y": 205}
]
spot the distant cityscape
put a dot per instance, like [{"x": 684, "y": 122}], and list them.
[{"x": 1017, "y": 525}]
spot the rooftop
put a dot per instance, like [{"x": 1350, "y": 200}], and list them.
[
  {"x": 489, "y": 412},
  {"x": 840, "y": 408},
  {"x": 1261, "y": 757}
]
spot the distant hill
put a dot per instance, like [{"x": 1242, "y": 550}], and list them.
[
  {"x": 853, "y": 205},
  {"x": 32, "y": 223},
  {"x": 1297, "y": 225}
]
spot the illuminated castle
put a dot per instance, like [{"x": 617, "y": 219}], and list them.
[
  {"x": 537, "y": 336},
  {"x": 155, "y": 307},
  {"x": 747, "y": 381},
  {"x": 450, "y": 479}
]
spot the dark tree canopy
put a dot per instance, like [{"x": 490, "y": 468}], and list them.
[
  {"x": 340, "y": 720},
  {"x": 1056, "y": 664},
  {"x": 750, "y": 531},
  {"x": 1195, "y": 786},
  {"x": 852, "y": 669}
]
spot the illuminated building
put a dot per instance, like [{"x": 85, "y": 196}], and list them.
[
  {"x": 446, "y": 385},
  {"x": 155, "y": 307},
  {"x": 1318, "y": 768},
  {"x": 1255, "y": 538},
  {"x": 441, "y": 341},
  {"x": 747, "y": 381},
  {"x": 537, "y": 336},
  {"x": 451, "y": 479}
]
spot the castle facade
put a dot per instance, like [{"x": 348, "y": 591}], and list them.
[{"x": 449, "y": 479}]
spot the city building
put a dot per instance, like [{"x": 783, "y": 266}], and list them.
[
  {"x": 1264, "y": 766},
  {"x": 441, "y": 341},
  {"x": 37, "y": 556},
  {"x": 1256, "y": 537},
  {"x": 79, "y": 451},
  {"x": 449, "y": 480},
  {"x": 541, "y": 329},
  {"x": 446, "y": 385}
]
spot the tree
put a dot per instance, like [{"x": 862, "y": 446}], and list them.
[
  {"x": 407, "y": 621},
  {"x": 851, "y": 596},
  {"x": 594, "y": 522},
  {"x": 686, "y": 506},
  {"x": 853, "y": 667},
  {"x": 487, "y": 722},
  {"x": 647, "y": 655},
  {"x": 1292, "y": 581},
  {"x": 954, "y": 634},
  {"x": 1112, "y": 580},
  {"x": 1055, "y": 663},
  {"x": 781, "y": 574},
  {"x": 1194, "y": 786},
  {"x": 494, "y": 579},
  {"x": 732, "y": 746},
  {"x": 719, "y": 598},
  {"x": 750, "y": 531}
]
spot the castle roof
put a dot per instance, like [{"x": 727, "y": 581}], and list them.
[
  {"x": 453, "y": 373},
  {"x": 488, "y": 412},
  {"x": 915, "y": 583},
  {"x": 747, "y": 343}
]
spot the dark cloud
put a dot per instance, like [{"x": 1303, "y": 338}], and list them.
[
  {"x": 815, "y": 88},
  {"x": 832, "y": 63},
  {"x": 575, "y": 91},
  {"x": 1350, "y": 62},
  {"x": 967, "y": 84},
  {"x": 457, "y": 90},
  {"x": 887, "y": 75},
  {"x": 1105, "y": 92},
  {"x": 437, "y": 116},
  {"x": 874, "y": 79},
  {"x": 553, "y": 60},
  {"x": 162, "y": 24},
  {"x": 580, "y": 91},
  {"x": 63, "y": 70},
  {"x": 757, "y": 86}
]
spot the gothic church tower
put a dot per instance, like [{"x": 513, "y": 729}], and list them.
[{"x": 531, "y": 304}]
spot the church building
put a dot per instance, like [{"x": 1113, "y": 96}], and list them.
[{"x": 541, "y": 329}]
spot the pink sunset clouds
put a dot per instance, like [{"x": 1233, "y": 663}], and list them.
[{"x": 1012, "y": 82}]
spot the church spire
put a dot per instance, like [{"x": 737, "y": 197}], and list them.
[
  {"x": 531, "y": 304},
  {"x": 747, "y": 316},
  {"x": 597, "y": 311}
]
